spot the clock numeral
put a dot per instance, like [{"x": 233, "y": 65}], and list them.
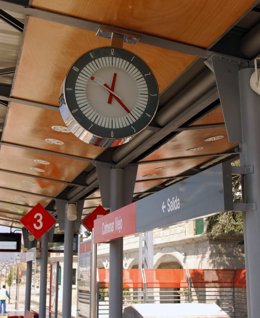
[
  {"x": 75, "y": 68},
  {"x": 133, "y": 129},
  {"x": 112, "y": 52},
  {"x": 69, "y": 89},
  {"x": 91, "y": 55},
  {"x": 132, "y": 58},
  {"x": 148, "y": 115},
  {"x": 74, "y": 111},
  {"x": 112, "y": 133},
  {"x": 148, "y": 74},
  {"x": 153, "y": 95},
  {"x": 90, "y": 126}
]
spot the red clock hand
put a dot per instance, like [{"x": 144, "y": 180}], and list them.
[
  {"x": 117, "y": 99},
  {"x": 114, "y": 95},
  {"x": 110, "y": 97}
]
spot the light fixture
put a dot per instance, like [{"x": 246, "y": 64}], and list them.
[
  {"x": 37, "y": 169},
  {"x": 52, "y": 141},
  {"x": 255, "y": 78},
  {"x": 71, "y": 212},
  {"x": 61, "y": 129},
  {"x": 214, "y": 138},
  {"x": 195, "y": 149},
  {"x": 41, "y": 162}
]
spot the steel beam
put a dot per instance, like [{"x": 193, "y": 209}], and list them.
[
  {"x": 15, "y": 23},
  {"x": 7, "y": 70},
  {"x": 144, "y": 141},
  {"x": 226, "y": 72},
  {"x": 94, "y": 26}
]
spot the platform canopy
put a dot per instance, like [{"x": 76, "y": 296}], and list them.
[{"x": 41, "y": 161}]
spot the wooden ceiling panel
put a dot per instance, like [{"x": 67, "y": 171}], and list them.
[
  {"x": 9, "y": 222},
  {"x": 23, "y": 198},
  {"x": 95, "y": 194},
  {"x": 191, "y": 21},
  {"x": 168, "y": 169},
  {"x": 31, "y": 126},
  {"x": 144, "y": 186},
  {"x": 13, "y": 209},
  {"x": 22, "y": 160},
  {"x": 92, "y": 203},
  {"x": 193, "y": 142},
  {"x": 213, "y": 117},
  {"x": 50, "y": 49},
  {"x": 10, "y": 216},
  {"x": 25, "y": 183}
]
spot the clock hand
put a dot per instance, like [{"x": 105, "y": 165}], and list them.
[
  {"x": 110, "y": 97},
  {"x": 114, "y": 95}
]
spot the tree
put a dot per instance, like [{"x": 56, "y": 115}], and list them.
[
  {"x": 9, "y": 280},
  {"x": 228, "y": 223}
]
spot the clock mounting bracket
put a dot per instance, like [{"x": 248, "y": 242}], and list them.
[{"x": 118, "y": 36}]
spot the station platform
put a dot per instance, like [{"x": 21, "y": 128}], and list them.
[
  {"x": 12, "y": 314},
  {"x": 19, "y": 314}
]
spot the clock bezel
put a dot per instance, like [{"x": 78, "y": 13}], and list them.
[{"x": 70, "y": 109}]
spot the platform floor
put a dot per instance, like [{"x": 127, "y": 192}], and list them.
[{"x": 13, "y": 314}]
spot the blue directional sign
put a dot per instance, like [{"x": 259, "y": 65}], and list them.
[{"x": 204, "y": 193}]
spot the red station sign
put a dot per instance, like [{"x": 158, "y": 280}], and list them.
[
  {"x": 117, "y": 224},
  {"x": 88, "y": 222},
  {"x": 38, "y": 221}
]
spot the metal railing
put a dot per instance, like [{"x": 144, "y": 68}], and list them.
[{"x": 231, "y": 300}]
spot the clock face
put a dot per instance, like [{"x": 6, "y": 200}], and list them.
[{"x": 110, "y": 93}]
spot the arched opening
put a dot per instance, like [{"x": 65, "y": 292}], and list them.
[{"x": 169, "y": 295}]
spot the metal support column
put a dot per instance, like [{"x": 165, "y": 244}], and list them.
[
  {"x": 117, "y": 186},
  {"x": 93, "y": 286},
  {"x": 241, "y": 106},
  {"x": 27, "y": 302},
  {"x": 68, "y": 262},
  {"x": 43, "y": 275},
  {"x": 116, "y": 249},
  {"x": 250, "y": 156}
]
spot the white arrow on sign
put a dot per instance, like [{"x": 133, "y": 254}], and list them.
[{"x": 163, "y": 206}]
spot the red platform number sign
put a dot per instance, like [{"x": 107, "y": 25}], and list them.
[
  {"x": 88, "y": 222},
  {"x": 38, "y": 221}
]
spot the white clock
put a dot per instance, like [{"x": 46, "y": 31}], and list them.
[{"x": 108, "y": 96}]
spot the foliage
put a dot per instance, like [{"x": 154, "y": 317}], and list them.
[
  {"x": 225, "y": 223},
  {"x": 10, "y": 277},
  {"x": 228, "y": 223}
]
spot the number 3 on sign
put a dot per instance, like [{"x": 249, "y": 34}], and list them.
[{"x": 38, "y": 224}]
